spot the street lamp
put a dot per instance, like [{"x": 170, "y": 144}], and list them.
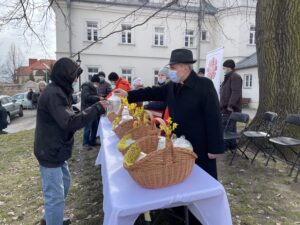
[{"x": 78, "y": 61}]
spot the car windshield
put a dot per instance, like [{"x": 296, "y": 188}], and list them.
[{"x": 18, "y": 97}]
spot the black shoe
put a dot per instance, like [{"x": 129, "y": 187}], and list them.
[{"x": 67, "y": 221}]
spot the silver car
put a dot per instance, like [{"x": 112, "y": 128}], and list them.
[
  {"x": 11, "y": 107},
  {"x": 22, "y": 99}
]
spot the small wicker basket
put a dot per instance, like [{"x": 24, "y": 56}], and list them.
[
  {"x": 162, "y": 168},
  {"x": 123, "y": 128},
  {"x": 147, "y": 144}
]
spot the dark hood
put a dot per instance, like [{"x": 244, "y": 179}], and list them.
[{"x": 64, "y": 73}]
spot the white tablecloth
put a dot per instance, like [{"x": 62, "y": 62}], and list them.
[{"x": 124, "y": 200}]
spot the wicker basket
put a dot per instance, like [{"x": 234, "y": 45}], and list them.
[
  {"x": 146, "y": 129},
  {"x": 147, "y": 144},
  {"x": 123, "y": 128},
  {"x": 162, "y": 168},
  {"x": 112, "y": 116}
]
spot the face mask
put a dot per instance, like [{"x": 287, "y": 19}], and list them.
[
  {"x": 161, "y": 80},
  {"x": 173, "y": 76},
  {"x": 102, "y": 79},
  {"x": 74, "y": 84},
  {"x": 226, "y": 71},
  {"x": 113, "y": 84},
  {"x": 95, "y": 85}
]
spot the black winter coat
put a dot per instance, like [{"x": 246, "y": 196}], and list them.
[
  {"x": 89, "y": 95},
  {"x": 231, "y": 93},
  {"x": 56, "y": 122},
  {"x": 3, "y": 118},
  {"x": 195, "y": 107}
]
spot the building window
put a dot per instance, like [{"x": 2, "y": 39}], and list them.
[
  {"x": 92, "y": 30},
  {"x": 252, "y": 36},
  {"x": 247, "y": 80},
  {"x": 126, "y": 34},
  {"x": 204, "y": 35},
  {"x": 92, "y": 71},
  {"x": 156, "y": 76},
  {"x": 189, "y": 38},
  {"x": 127, "y": 73},
  {"x": 159, "y": 36}
]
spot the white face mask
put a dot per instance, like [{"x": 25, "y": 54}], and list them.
[
  {"x": 74, "y": 84},
  {"x": 113, "y": 84},
  {"x": 161, "y": 80}
]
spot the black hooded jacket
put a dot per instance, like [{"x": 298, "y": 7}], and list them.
[{"x": 56, "y": 122}]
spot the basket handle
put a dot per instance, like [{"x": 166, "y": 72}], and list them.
[{"x": 159, "y": 120}]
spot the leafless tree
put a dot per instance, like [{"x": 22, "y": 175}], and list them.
[{"x": 15, "y": 59}]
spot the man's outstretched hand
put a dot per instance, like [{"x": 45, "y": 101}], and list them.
[{"x": 120, "y": 92}]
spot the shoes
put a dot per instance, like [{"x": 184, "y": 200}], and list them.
[
  {"x": 3, "y": 132},
  {"x": 87, "y": 147},
  {"x": 67, "y": 221}
]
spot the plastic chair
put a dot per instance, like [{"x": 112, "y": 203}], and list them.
[
  {"x": 261, "y": 133},
  {"x": 236, "y": 136},
  {"x": 288, "y": 142}
]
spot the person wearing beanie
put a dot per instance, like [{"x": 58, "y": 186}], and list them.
[
  {"x": 56, "y": 123},
  {"x": 89, "y": 95},
  {"x": 104, "y": 87},
  {"x": 230, "y": 96},
  {"x": 118, "y": 82}
]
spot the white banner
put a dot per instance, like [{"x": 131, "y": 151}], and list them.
[{"x": 214, "y": 67}]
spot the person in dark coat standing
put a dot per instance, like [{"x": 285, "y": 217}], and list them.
[
  {"x": 3, "y": 119},
  {"x": 230, "y": 97},
  {"x": 56, "y": 124},
  {"x": 89, "y": 96},
  {"x": 193, "y": 104},
  {"x": 104, "y": 87}
]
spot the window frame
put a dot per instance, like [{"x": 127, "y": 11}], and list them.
[
  {"x": 248, "y": 81},
  {"x": 206, "y": 35},
  {"x": 189, "y": 38},
  {"x": 159, "y": 35},
  {"x": 128, "y": 77},
  {"x": 93, "y": 29},
  {"x": 126, "y": 34},
  {"x": 252, "y": 40},
  {"x": 89, "y": 74}
]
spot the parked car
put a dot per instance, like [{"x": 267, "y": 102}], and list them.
[
  {"x": 22, "y": 99},
  {"x": 12, "y": 107}
]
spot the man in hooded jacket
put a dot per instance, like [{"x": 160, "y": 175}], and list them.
[{"x": 56, "y": 124}]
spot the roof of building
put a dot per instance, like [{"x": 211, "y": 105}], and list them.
[
  {"x": 42, "y": 64},
  {"x": 248, "y": 62},
  {"x": 209, "y": 8}
]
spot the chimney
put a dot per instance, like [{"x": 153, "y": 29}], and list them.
[{"x": 31, "y": 61}]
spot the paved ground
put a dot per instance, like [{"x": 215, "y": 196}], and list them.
[{"x": 27, "y": 122}]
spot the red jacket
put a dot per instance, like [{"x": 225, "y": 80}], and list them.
[{"x": 122, "y": 84}]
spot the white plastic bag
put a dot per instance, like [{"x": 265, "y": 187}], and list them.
[
  {"x": 113, "y": 104},
  {"x": 181, "y": 142}
]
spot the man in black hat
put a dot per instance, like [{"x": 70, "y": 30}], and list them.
[
  {"x": 56, "y": 123},
  {"x": 230, "y": 96},
  {"x": 193, "y": 104},
  {"x": 89, "y": 96},
  {"x": 201, "y": 72}
]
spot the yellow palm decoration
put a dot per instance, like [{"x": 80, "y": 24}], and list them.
[{"x": 169, "y": 128}]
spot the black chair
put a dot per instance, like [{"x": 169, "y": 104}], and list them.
[
  {"x": 235, "y": 136},
  {"x": 288, "y": 142},
  {"x": 261, "y": 134}
]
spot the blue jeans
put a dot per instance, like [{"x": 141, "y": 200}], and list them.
[
  {"x": 56, "y": 183},
  {"x": 90, "y": 132}
]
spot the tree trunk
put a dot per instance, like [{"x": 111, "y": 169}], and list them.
[{"x": 278, "y": 56}]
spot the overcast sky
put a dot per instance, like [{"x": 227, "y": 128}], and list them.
[{"x": 28, "y": 43}]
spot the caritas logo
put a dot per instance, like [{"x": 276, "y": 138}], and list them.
[{"x": 212, "y": 68}]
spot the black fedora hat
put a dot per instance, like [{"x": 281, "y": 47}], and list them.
[{"x": 182, "y": 55}]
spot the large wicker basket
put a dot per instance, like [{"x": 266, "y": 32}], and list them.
[{"x": 162, "y": 168}]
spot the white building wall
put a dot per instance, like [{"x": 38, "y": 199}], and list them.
[
  {"x": 251, "y": 92},
  {"x": 231, "y": 30}
]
